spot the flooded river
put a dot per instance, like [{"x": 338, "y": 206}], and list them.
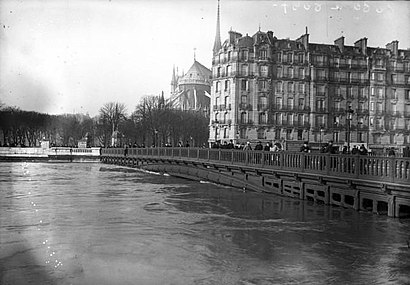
[{"x": 90, "y": 223}]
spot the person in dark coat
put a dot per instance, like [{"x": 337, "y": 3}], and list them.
[
  {"x": 330, "y": 148},
  {"x": 259, "y": 146},
  {"x": 247, "y": 146},
  {"x": 406, "y": 151},
  {"x": 363, "y": 150},
  {"x": 305, "y": 147},
  {"x": 267, "y": 147}
]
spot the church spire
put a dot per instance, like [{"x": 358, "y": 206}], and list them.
[
  {"x": 174, "y": 81},
  {"x": 217, "y": 43}
]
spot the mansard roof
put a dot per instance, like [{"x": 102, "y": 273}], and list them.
[
  {"x": 245, "y": 41},
  {"x": 284, "y": 44},
  {"x": 263, "y": 38},
  {"x": 197, "y": 74}
]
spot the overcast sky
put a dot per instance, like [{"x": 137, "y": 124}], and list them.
[{"x": 73, "y": 56}]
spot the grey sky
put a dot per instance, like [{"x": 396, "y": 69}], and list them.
[{"x": 74, "y": 56}]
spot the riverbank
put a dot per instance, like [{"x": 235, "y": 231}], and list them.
[{"x": 34, "y": 154}]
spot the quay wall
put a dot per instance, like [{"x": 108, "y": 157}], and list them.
[
  {"x": 376, "y": 184},
  {"x": 47, "y": 154}
]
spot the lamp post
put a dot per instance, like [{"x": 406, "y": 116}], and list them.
[
  {"x": 349, "y": 116},
  {"x": 155, "y": 137},
  {"x": 216, "y": 131},
  {"x": 320, "y": 138}
]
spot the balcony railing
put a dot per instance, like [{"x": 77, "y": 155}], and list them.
[
  {"x": 263, "y": 107},
  {"x": 290, "y": 108},
  {"x": 338, "y": 110},
  {"x": 245, "y": 107}
]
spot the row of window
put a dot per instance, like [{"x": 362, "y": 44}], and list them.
[
  {"x": 301, "y": 57},
  {"x": 320, "y": 74}
]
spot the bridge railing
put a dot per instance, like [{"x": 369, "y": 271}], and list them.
[{"x": 380, "y": 168}]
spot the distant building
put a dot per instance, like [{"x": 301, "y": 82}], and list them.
[
  {"x": 265, "y": 88},
  {"x": 192, "y": 90}
]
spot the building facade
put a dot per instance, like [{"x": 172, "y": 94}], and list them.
[{"x": 267, "y": 89}]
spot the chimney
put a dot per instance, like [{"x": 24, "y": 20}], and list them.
[
  {"x": 233, "y": 36},
  {"x": 362, "y": 45},
  {"x": 304, "y": 39},
  {"x": 340, "y": 42},
  {"x": 393, "y": 47}
]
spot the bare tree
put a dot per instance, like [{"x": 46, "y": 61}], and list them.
[{"x": 113, "y": 113}]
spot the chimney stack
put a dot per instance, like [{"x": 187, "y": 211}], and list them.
[
  {"x": 340, "y": 42},
  {"x": 362, "y": 45}
]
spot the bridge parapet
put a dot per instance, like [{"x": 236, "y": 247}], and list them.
[{"x": 376, "y": 168}]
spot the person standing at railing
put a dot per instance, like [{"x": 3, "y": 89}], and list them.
[
  {"x": 391, "y": 152},
  {"x": 406, "y": 151},
  {"x": 257, "y": 156},
  {"x": 247, "y": 146},
  {"x": 231, "y": 145},
  {"x": 363, "y": 150},
  {"x": 406, "y": 154},
  {"x": 259, "y": 146},
  {"x": 305, "y": 147},
  {"x": 355, "y": 150},
  {"x": 330, "y": 148}
]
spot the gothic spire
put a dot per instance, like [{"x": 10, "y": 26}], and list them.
[
  {"x": 174, "y": 80},
  {"x": 217, "y": 43}
]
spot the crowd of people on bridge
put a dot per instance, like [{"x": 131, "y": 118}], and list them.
[
  {"x": 276, "y": 146},
  {"x": 332, "y": 149}
]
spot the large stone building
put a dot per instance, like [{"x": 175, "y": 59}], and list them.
[
  {"x": 192, "y": 91},
  {"x": 265, "y": 88}
]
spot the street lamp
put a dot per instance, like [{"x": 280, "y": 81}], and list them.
[
  {"x": 216, "y": 130},
  {"x": 320, "y": 138},
  {"x": 349, "y": 117},
  {"x": 155, "y": 137}
]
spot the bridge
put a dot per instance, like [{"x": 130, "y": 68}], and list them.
[{"x": 365, "y": 183}]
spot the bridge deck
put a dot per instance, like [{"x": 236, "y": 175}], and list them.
[{"x": 373, "y": 168}]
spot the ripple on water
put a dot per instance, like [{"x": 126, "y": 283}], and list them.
[{"x": 116, "y": 225}]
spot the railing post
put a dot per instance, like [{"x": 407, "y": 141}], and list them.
[
  {"x": 392, "y": 169},
  {"x": 327, "y": 163},
  {"x": 356, "y": 166},
  {"x": 281, "y": 159}
]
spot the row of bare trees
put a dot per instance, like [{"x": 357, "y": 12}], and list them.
[{"x": 153, "y": 123}]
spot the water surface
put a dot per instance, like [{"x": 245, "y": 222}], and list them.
[{"x": 90, "y": 223}]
